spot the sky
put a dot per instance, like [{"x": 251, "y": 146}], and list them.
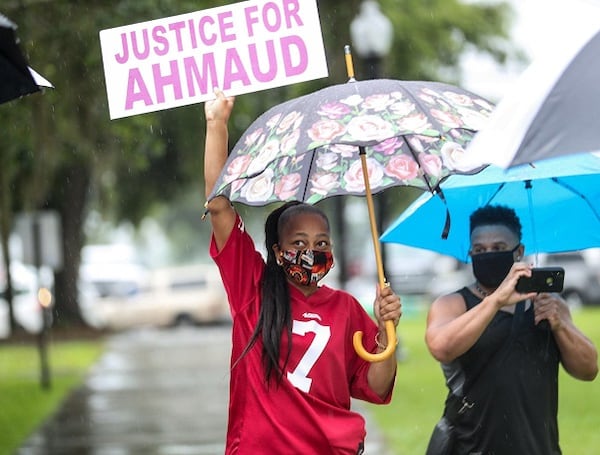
[{"x": 539, "y": 25}]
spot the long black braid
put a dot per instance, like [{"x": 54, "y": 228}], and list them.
[{"x": 275, "y": 314}]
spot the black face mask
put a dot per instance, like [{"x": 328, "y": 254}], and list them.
[{"x": 490, "y": 269}]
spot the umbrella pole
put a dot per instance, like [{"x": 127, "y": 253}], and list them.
[
  {"x": 389, "y": 325},
  {"x": 390, "y": 330}
]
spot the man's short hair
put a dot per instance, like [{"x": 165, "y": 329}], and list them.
[{"x": 496, "y": 214}]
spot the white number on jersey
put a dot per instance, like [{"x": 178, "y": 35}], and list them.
[{"x": 299, "y": 377}]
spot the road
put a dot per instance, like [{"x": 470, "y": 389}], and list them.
[{"x": 153, "y": 392}]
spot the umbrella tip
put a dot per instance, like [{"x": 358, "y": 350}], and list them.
[{"x": 349, "y": 64}]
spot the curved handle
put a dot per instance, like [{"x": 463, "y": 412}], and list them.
[{"x": 390, "y": 330}]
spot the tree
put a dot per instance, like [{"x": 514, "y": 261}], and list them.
[
  {"x": 71, "y": 149},
  {"x": 62, "y": 152}
]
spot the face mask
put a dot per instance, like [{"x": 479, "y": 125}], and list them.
[
  {"x": 306, "y": 267},
  {"x": 490, "y": 269}
]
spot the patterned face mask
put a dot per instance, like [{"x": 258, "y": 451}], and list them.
[{"x": 306, "y": 267}]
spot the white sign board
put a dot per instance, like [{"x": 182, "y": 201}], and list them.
[{"x": 240, "y": 48}]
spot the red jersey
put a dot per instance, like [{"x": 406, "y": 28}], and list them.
[{"x": 309, "y": 411}]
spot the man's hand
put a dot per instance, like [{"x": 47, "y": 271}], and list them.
[
  {"x": 552, "y": 308},
  {"x": 506, "y": 293}
]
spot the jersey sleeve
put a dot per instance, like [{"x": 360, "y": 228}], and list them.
[
  {"x": 359, "y": 385},
  {"x": 240, "y": 265}
]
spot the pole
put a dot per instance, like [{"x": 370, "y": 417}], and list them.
[
  {"x": 42, "y": 337},
  {"x": 390, "y": 329}
]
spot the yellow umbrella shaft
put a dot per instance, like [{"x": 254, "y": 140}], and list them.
[{"x": 389, "y": 325}]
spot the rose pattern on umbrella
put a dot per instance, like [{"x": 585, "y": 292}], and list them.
[{"x": 301, "y": 155}]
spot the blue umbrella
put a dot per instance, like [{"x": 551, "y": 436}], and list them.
[{"x": 557, "y": 201}]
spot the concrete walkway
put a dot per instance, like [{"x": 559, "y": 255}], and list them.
[{"x": 153, "y": 392}]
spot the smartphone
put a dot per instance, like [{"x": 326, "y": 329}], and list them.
[{"x": 543, "y": 279}]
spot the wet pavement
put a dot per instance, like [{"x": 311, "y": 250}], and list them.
[{"x": 153, "y": 392}]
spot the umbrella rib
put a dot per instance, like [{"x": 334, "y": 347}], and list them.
[
  {"x": 442, "y": 196},
  {"x": 416, "y": 158},
  {"x": 437, "y": 190},
  {"x": 528, "y": 187},
  {"x": 577, "y": 193},
  {"x": 310, "y": 166},
  {"x": 424, "y": 108},
  {"x": 489, "y": 201}
]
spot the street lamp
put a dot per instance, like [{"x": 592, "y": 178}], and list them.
[{"x": 372, "y": 34}]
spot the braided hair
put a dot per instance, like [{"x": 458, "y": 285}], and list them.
[{"x": 275, "y": 314}]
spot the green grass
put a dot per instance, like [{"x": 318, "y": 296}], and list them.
[
  {"x": 420, "y": 392},
  {"x": 23, "y": 403}
]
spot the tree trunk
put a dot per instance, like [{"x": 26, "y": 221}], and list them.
[
  {"x": 5, "y": 222},
  {"x": 71, "y": 205}
]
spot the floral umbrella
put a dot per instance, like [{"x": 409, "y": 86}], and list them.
[
  {"x": 306, "y": 149},
  {"x": 352, "y": 139}
]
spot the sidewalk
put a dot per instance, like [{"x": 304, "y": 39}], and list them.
[{"x": 154, "y": 392}]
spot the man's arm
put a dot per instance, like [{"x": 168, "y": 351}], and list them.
[
  {"x": 452, "y": 330},
  {"x": 578, "y": 354}
]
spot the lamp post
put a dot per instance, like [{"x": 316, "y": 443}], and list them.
[{"x": 372, "y": 35}]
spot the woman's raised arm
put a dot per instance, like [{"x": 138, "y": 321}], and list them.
[{"x": 222, "y": 215}]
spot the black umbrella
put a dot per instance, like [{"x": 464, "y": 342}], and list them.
[{"x": 16, "y": 78}]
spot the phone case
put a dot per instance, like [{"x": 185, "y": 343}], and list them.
[{"x": 543, "y": 279}]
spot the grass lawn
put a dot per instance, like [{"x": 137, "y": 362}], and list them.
[
  {"x": 23, "y": 403},
  {"x": 420, "y": 392}
]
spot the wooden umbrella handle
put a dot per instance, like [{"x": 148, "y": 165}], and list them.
[
  {"x": 383, "y": 355},
  {"x": 390, "y": 329}
]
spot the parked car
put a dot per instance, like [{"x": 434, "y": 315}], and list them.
[
  {"x": 581, "y": 285},
  {"x": 582, "y": 278},
  {"x": 177, "y": 295},
  {"x": 411, "y": 270},
  {"x": 113, "y": 270}
]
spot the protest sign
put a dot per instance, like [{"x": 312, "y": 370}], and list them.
[{"x": 241, "y": 48}]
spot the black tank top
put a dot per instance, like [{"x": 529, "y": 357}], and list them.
[{"x": 512, "y": 386}]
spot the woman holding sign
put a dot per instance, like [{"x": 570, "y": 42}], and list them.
[{"x": 293, "y": 366}]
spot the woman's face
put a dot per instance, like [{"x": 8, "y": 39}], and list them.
[{"x": 304, "y": 231}]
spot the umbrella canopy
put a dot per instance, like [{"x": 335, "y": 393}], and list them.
[
  {"x": 557, "y": 201},
  {"x": 16, "y": 78},
  {"x": 306, "y": 149},
  {"x": 553, "y": 108}
]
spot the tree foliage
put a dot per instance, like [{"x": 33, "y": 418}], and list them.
[{"x": 59, "y": 150}]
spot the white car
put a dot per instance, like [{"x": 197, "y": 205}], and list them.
[
  {"x": 113, "y": 270},
  {"x": 190, "y": 294}
]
